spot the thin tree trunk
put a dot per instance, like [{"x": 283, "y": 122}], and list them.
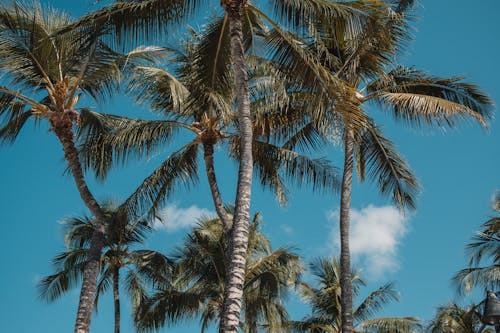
[
  {"x": 238, "y": 242},
  {"x": 345, "y": 256},
  {"x": 64, "y": 132},
  {"x": 208, "y": 151},
  {"x": 116, "y": 296}
]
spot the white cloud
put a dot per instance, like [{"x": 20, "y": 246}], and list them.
[
  {"x": 286, "y": 229},
  {"x": 174, "y": 218},
  {"x": 375, "y": 235}
]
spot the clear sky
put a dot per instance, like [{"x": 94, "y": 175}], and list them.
[{"x": 459, "y": 172}]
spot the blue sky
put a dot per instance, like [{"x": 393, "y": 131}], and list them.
[{"x": 420, "y": 251}]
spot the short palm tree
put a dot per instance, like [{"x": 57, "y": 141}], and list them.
[
  {"x": 485, "y": 249},
  {"x": 453, "y": 318},
  {"x": 199, "y": 285},
  {"x": 324, "y": 296},
  {"x": 137, "y": 269},
  {"x": 45, "y": 75}
]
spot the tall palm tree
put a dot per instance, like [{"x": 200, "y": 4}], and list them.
[
  {"x": 484, "y": 249},
  {"x": 143, "y": 18},
  {"x": 200, "y": 281},
  {"x": 46, "y": 75},
  {"x": 453, "y": 318},
  {"x": 138, "y": 269},
  {"x": 324, "y": 295},
  {"x": 196, "y": 97},
  {"x": 365, "y": 62}
]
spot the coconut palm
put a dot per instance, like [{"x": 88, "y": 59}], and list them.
[
  {"x": 45, "y": 76},
  {"x": 484, "y": 269},
  {"x": 200, "y": 276},
  {"x": 143, "y": 18},
  {"x": 196, "y": 97},
  {"x": 365, "y": 62},
  {"x": 324, "y": 295},
  {"x": 453, "y": 318},
  {"x": 137, "y": 269}
]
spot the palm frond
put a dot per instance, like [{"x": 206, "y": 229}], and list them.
[
  {"x": 181, "y": 168},
  {"x": 375, "y": 302},
  {"x": 377, "y": 155},
  {"x": 455, "y": 318},
  {"x": 70, "y": 268},
  {"x": 468, "y": 278},
  {"x": 486, "y": 242},
  {"x": 103, "y": 284},
  {"x": 345, "y": 16},
  {"x": 390, "y": 325},
  {"x": 271, "y": 161},
  {"x": 165, "y": 308},
  {"x": 417, "y": 98},
  {"x": 271, "y": 270},
  {"x": 152, "y": 266},
  {"x": 108, "y": 140},
  {"x": 136, "y": 20},
  {"x": 158, "y": 88}
]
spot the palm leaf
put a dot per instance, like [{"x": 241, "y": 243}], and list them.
[
  {"x": 103, "y": 284},
  {"x": 136, "y": 19},
  {"x": 180, "y": 168},
  {"x": 485, "y": 242},
  {"x": 468, "y": 278},
  {"x": 377, "y": 155},
  {"x": 70, "y": 268},
  {"x": 375, "y": 302},
  {"x": 300, "y": 169},
  {"x": 165, "y": 308},
  {"x": 109, "y": 139},
  {"x": 418, "y": 98},
  {"x": 158, "y": 88},
  {"x": 390, "y": 325}
]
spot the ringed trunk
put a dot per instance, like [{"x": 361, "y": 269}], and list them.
[
  {"x": 208, "y": 154},
  {"x": 238, "y": 242},
  {"x": 64, "y": 132},
  {"x": 116, "y": 297},
  {"x": 345, "y": 256}
]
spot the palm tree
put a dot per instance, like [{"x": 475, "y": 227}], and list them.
[
  {"x": 143, "y": 18},
  {"x": 325, "y": 297},
  {"x": 46, "y": 77},
  {"x": 453, "y": 318},
  {"x": 142, "y": 267},
  {"x": 365, "y": 63},
  {"x": 200, "y": 281},
  {"x": 196, "y": 97},
  {"x": 485, "y": 246}
]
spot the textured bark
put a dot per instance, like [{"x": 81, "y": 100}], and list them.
[
  {"x": 238, "y": 242},
  {"x": 64, "y": 131},
  {"x": 345, "y": 256},
  {"x": 116, "y": 297},
  {"x": 208, "y": 151}
]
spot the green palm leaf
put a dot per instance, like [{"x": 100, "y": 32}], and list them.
[
  {"x": 180, "y": 168},
  {"x": 390, "y": 325},
  {"x": 70, "y": 267},
  {"x": 418, "y": 98},
  {"x": 375, "y": 302},
  {"x": 376, "y": 155}
]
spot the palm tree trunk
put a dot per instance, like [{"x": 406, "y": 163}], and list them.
[
  {"x": 64, "y": 132},
  {"x": 116, "y": 296},
  {"x": 208, "y": 151},
  {"x": 345, "y": 256},
  {"x": 238, "y": 242}
]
